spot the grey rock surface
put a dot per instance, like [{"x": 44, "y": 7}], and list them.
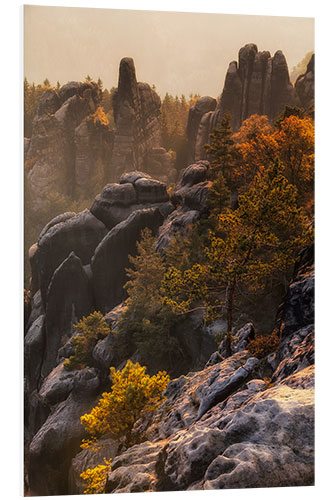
[{"x": 109, "y": 265}]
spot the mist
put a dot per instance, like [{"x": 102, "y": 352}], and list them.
[{"x": 180, "y": 53}]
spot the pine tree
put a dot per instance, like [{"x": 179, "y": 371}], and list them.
[
  {"x": 260, "y": 238},
  {"x": 221, "y": 151}
]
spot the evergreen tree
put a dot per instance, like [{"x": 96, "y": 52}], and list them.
[
  {"x": 259, "y": 238},
  {"x": 221, "y": 151}
]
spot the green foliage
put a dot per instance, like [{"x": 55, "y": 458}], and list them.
[
  {"x": 32, "y": 95},
  {"x": 253, "y": 242},
  {"x": 221, "y": 151},
  {"x": 133, "y": 394},
  {"x": 96, "y": 478},
  {"x": 173, "y": 125},
  {"x": 262, "y": 345},
  {"x": 89, "y": 330},
  {"x": 146, "y": 323}
]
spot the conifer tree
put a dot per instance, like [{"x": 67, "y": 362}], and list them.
[
  {"x": 221, "y": 151},
  {"x": 260, "y": 237}
]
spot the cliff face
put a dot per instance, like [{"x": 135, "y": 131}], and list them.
[
  {"x": 67, "y": 152},
  {"x": 137, "y": 143},
  {"x": 257, "y": 83},
  {"x": 304, "y": 85}
]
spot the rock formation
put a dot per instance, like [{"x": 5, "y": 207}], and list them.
[
  {"x": 189, "y": 198},
  {"x": 79, "y": 265},
  {"x": 203, "y": 106},
  {"x": 68, "y": 150},
  {"x": 137, "y": 110},
  {"x": 222, "y": 425},
  {"x": 304, "y": 85},
  {"x": 257, "y": 83}
]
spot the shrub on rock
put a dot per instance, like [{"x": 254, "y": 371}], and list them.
[
  {"x": 133, "y": 394},
  {"x": 90, "y": 329}
]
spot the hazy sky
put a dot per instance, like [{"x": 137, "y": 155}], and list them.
[{"x": 178, "y": 52}]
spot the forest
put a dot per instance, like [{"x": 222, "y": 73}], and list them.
[{"x": 205, "y": 286}]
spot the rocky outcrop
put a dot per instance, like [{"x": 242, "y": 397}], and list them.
[
  {"x": 224, "y": 427},
  {"x": 79, "y": 233},
  {"x": 58, "y": 440},
  {"x": 135, "y": 191},
  {"x": 304, "y": 85},
  {"x": 253, "y": 437},
  {"x": 109, "y": 264},
  {"x": 137, "y": 140},
  {"x": 203, "y": 105},
  {"x": 78, "y": 268},
  {"x": 190, "y": 199},
  {"x": 69, "y": 150},
  {"x": 88, "y": 459},
  {"x": 69, "y": 298},
  {"x": 257, "y": 83}
]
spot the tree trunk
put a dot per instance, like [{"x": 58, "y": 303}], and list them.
[{"x": 229, "y": 304}]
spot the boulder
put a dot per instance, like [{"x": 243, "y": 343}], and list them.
[
  {"x": 58, "y": 440},
  {"x": 195, "y": 173},
  {"x": 57, "y": 385},
  {"x": 136, "y": 191},
  {"x": 142, "y": 475},
  {"x": 90, "y": 458},
  {"x": 194, "y": 197},
  {"x": 109, "y": 265},
  {"x": 34, "y": 345},
  {"x": 132, "y": 177},
  {"x": 177, "y": 222},
  {"x": 150, "y": 191},
  {"x": 219, "y": 390},
  {"x": 80, "y": 233},
  {"x": 190, "y": 197},
  {"x": 69, "y": 298}
]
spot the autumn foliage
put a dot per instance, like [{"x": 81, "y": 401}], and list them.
[{"x": 133, "y": 394}]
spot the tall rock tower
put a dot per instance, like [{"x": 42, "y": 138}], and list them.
[{"x": 137, "y": 140}]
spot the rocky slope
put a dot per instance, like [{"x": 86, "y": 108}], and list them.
[
  {"x": 228, "y": 426},
  {"x": 257, "y": 83},
  {"x": 226, "y": 423},
  {"x": 77, "y": 268}
]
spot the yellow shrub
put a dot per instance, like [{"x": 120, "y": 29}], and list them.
[
  {"x": 96, "y": 478},
  {"x": 133, "y": 394}
]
